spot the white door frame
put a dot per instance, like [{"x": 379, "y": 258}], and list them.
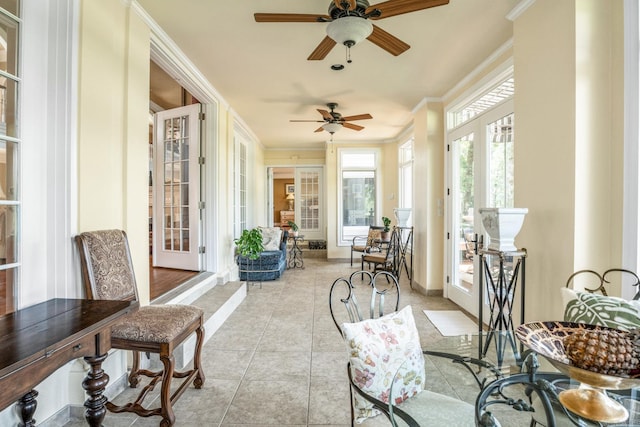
[{"x": 469, "y": 300}]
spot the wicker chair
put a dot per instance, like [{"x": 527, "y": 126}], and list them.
[{"x": 107, "y": 273}]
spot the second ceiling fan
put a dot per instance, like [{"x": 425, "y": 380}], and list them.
[
  {"x": 349, "y": 23},
  {"x": 333, "y": 121}
]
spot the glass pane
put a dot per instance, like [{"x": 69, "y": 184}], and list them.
[
  {"x": 8, "y": 45},
  {"x": 8, "y": 107},
  {"x": 10, "y": 6},
  {"x": 167, "y": 239},
  {"x": 358, "y": 160},
  {"x": 8, "y": 227},
  {"x": 185, "y": 240},
  {"x": 184, "y": 149},
  {"x": 500, "y": 135},
  {"x": 8, "y": 170},
  {"x": 463, "y": 150},
  {"x": 185, "y": 217},
  {"x": 167, "y": 218},
  {"x": 358, "y": 202},
  {"x": 184, "y": 194},
  {"x": 185, "y": 170}
]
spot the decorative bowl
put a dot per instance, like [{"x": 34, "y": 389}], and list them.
[{"x": 588, "y": 401}]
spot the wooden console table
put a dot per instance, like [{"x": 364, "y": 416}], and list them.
[{"x": 38, "y": 340}]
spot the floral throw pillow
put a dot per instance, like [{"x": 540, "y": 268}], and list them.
[
  {"x": 596, "y": 309},
  {"x": 271, "y": 237},
  {"x": 383, "y": 351}
]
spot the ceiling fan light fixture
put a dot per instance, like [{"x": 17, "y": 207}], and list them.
[
  {"x": 349, "y": 30},
  {"x": 332, "y": 127}
]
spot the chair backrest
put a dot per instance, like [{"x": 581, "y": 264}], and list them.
[
  {"x": 381, "y": 290},
  {"x": 605, "y": 279},
  {"x": 107, "y": 269},
  {"x": 373, "y": 237}
]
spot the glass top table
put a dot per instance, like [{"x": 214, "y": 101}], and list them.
[{"x": 513, "y": 394}]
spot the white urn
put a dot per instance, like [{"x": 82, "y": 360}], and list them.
[
  {"x": 502, "y": 225},
  {"x": 402, "y": 215}
]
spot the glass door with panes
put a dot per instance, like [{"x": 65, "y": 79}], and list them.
[
  {"x": 481, "y": 154},
  {"x": 176, "y": 183},
  {"x": 308, "y": 202}
]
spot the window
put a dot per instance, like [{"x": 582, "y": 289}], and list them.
[
  {"x": 405, "y": 158},
  {"x": 9, "y": 155},
  {"x": 240, "y": 187},
  {"x": 358, "y": 170}
]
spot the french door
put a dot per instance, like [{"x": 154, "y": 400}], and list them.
[
  {"x": 309, "y": 202},
  {"x": 480, "y": 174},
  {"x": 176, "y": 189}
]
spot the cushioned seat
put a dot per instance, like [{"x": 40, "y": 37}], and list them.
[{"x": 162, "y": 324}]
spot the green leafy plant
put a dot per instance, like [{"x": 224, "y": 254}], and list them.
[
  {"x": 293, "y": 225},
  {"x": 386, "y": 222},
  {"x": 249, "y": 244}
]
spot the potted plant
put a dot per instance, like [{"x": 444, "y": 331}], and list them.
[
  {"x": 384, "y": 234},
  {"x": 294, "y": 228},
  {"x": 249, "y": 244}
]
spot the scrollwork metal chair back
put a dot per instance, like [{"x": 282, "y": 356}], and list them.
[
  {"x": 383, "y": 296},
  {"x": 602, "y": 280}
]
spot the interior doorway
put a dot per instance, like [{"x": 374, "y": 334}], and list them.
[
  {"x": 297, "y": 196},
  {"x": 166, "y": 94}
]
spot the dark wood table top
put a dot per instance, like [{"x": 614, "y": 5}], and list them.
[{"x": 31, "y": 335}]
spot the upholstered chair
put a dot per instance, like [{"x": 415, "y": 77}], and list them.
[
  {"x": 107, "y": 273},
  {"x": 369, "y": 243}
]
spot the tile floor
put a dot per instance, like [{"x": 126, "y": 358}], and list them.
[{"x": 280, "y": 361}]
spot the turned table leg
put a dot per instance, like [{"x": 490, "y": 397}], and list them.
[
  {"x": 27, "y": 407},
  {"x": 94, "y": 384}
]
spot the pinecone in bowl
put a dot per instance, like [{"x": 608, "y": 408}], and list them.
[{"x": 605, "y": 351}]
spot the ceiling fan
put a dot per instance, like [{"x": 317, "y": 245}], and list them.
[
  {"x": 333, "y": 121},
  {"x": 349, "y": 23}
]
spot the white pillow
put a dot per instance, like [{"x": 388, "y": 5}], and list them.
[
  {"x": 596, "y": 309},
  {"x": 271, "y": 237},
  {"x": 380, "y": 348}
]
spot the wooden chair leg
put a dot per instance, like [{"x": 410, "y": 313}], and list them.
[
  {"x": 134, "y": 375},
  {"x": 199, "y": 380},
  {"x": 166, "y": 408}
]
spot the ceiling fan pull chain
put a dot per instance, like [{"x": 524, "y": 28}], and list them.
[{"x": 348, "y": 53}]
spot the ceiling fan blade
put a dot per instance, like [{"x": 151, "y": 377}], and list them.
[
  {"x": 388, "y": 42},
  {"x": 357, "y": 117},
  {"x": 338, "y": 3},
  {"x": 398, "y": 7},
  {"x": 320, "y": 129},
  {"x": 325, "y": 114},
  {"x": 322, "y": 50},
  {"x": 352, "y": 126},
  {"x": 307, "y": 121},
  {"x": 289, "y": 17}
]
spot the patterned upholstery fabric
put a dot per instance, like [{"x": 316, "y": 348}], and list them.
[
  {"x": 156, "y": 323},
  {"x": 111, "y": 265}
]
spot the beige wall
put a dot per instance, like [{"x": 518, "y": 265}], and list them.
[
  {"x": 429, "y": 243},
  {"x": 113, "y": 105},
  {"x": 568, "y": 143}
]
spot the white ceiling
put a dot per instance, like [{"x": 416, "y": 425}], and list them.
[{"x": 261, "y": 69}]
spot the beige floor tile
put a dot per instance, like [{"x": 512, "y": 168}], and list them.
[{"x": 270, "y": 402}]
